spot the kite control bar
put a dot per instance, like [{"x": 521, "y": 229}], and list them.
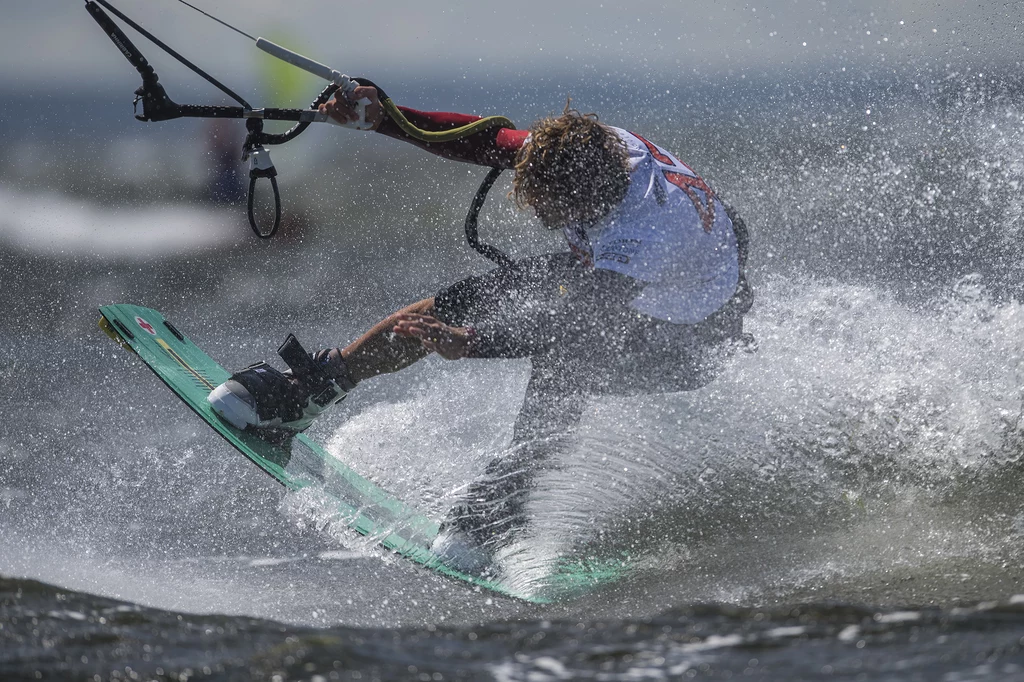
[
  {"x": 343, "y": 82},
  {"x": 158, "y": 106}
]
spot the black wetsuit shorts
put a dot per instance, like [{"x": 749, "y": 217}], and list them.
[{"x": 577, "y": 326}]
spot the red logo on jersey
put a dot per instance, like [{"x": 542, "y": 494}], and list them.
[
  {"x": 655, "y": 152},
  {"x": 145, "y": 325},
  {"x": 706, "y": 206}
]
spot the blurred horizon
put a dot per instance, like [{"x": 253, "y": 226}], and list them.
[
  {"x": 57, "y": 44},
  {"x": 67, "y": 92}
]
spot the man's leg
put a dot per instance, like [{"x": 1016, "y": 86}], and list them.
[
  {"x": 554, "y": 311},
  {"x": 493, "y": 508},
  {"x": 552, "y": 405}
]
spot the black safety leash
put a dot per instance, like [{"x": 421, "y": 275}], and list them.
[{"x": 158, "y": 106}]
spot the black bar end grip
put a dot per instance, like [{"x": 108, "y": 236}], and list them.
[
  {"x": 209, "y": 111},
  {"x": 156, "y": 105},
  {"x": 120, "y": 40}
]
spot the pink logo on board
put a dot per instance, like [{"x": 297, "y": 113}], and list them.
[{"x": 145, "y": 325}]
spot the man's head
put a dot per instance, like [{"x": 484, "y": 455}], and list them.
[{"x": 571, "y": 170}]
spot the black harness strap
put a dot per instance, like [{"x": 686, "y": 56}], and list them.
[{"x": 486, "y": 250}]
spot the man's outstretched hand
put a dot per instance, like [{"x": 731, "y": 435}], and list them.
[
  {"x": 343, "y": 109},
  {"x": 451, "y": 343}
]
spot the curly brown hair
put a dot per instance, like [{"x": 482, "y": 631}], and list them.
[{"x": 572, "y": 169}]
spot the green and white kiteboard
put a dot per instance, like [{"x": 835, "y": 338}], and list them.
[{"x": 367, "y": 509}]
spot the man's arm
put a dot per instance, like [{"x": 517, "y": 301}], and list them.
[
  {"x": 496, "y": 147},
  {"x": 598, "y": 315}
]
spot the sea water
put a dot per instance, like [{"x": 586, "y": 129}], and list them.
[{"x": 841, "y": 501}]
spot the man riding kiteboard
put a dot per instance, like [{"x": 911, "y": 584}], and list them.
[{"x": 650, "y": 297}]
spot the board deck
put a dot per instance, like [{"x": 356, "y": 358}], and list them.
[{"x": 366, "y": 508}]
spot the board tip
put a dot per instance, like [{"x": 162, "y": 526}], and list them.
[{"x": 109, "y": 330}]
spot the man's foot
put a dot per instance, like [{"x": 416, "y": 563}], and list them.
[{"x": 262, "y": 397}]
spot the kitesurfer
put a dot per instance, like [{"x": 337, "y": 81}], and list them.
[{"x": 649, "y": 297}]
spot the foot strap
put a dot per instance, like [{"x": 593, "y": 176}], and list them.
[{"x": 313, "y": 374}]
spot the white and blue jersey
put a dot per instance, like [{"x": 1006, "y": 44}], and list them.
[{"x": 670, "y": 232}]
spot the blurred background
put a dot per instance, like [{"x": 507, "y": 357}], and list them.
[
  {"x": 731, "y": 87},
  {"x": 841, "y": 131}
]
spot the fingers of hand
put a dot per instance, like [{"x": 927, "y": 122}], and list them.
[
  {"x": 424, "y": 322},
  {"x": 408, "y": 329},
  {"x": 436, "y": 336},
  {"x": 340, "y": 110},
  {"x": 424, "y": 332},
  {"x": 364, "y": 92}
]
